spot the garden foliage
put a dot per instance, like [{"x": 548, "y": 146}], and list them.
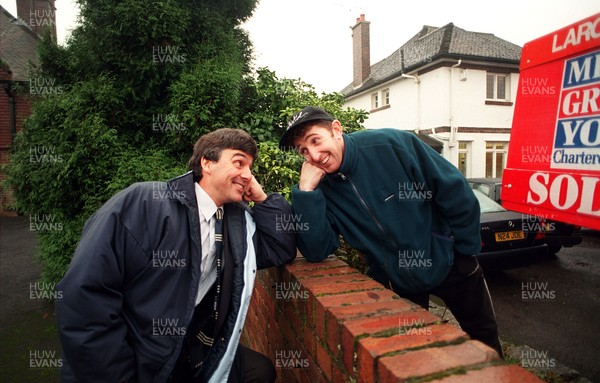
[{"x": 135, "y": 86}]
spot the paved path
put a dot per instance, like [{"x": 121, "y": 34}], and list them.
[
  {"x": 18, "y": 268},
  {"x": 28, "y": 341}
]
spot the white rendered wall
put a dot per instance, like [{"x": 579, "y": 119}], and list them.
[{"x": 444, "y": 97}]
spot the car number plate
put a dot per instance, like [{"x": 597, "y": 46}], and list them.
[{"x": 510, "y": 235}]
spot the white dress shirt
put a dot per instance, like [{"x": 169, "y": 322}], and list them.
[{"x": 206, "y": 212}]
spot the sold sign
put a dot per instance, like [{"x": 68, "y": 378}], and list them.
[
  {"x": 577, "y": 134},
  {"x": 564, "y": 183}
]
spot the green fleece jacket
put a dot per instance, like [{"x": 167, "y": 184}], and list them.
[{"x": 398, "y": 202}]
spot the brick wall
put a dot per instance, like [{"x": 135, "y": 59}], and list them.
[
  {"x": 327, "y": 322},
  {"x": 22, "y": 109}
]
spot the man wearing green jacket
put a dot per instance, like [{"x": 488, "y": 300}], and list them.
[{"x": 396, "y": 200}]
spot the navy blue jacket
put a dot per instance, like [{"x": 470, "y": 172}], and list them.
[{"x": 129, "y": 293}]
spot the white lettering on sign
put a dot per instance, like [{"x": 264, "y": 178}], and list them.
[
  {"x": 583, "y": 70},
  {"x": 580, "y": 33},
  {"x": 577, "y": 133},
  {"x": 586, "y": 131},
  {"x": 581, "y": 102},
  {"x": 565, "y": 191}
]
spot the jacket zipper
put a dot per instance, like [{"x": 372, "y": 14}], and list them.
[{"x": 379, "y": 226}]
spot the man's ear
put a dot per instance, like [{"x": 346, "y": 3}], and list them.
[
  {"x": 336, "y": 128},
  {"x": 206, "y": 166}
]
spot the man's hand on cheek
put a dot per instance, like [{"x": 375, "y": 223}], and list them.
[
  {"x": 254, "y": 192},
  {"x": 310, "y": 176}
]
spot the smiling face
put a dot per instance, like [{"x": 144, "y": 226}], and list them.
[
  {"x": 226, "y": 180},
  {"x": 323, "y": 147}
]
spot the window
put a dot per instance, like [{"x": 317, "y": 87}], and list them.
[
  {"x": 375, "y": 101},
  {"x": 496, "y": 87},
  {"x": 386, "y": 96},
  {"x": 380, "y": 100},
  {"x": 463, "y": 157},
  {"x": 495, "y": 159}
]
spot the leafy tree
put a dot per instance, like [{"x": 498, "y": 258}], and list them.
[
  {"x": 132, "y": 90},
  {"x": 269, "y": 103}
]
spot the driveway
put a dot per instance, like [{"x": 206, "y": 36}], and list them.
[
  {"x": 554, "y": 307},
  {"x": 29, "y": 347}
]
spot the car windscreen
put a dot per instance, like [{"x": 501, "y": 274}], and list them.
[{"x": 486, "y": 204}]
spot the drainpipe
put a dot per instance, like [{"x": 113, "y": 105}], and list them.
[
  {"x": 417, "y": 80},
  {"x": 453, "y": 128}
]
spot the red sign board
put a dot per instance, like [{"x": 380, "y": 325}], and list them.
[{"x": 553, "y": 167}]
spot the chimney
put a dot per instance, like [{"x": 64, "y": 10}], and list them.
[
  {"x": 38, "y": 15},
  {"x": 361, "y": 51}
]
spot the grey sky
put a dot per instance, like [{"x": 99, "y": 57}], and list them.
[{"x": 311, "y": 39}]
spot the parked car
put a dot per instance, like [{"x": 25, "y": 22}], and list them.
[
  {"x": 506, "y": 240},
  {"x": 557, "y": 234}
]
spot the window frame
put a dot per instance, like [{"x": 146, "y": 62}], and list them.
[
  {"x": 495, "y": 91},
  {"x": 375, "y": 100},
  {"x": 465, "y": 151},
  {"x": 494, "y": 151},
  {"x": 385, "y": 97}
]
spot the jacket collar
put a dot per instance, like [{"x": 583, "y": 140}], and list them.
[
  {"x": 349, "y": 158},
  {"x": 184, "y": 189}
]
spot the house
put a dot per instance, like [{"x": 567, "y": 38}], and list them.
[
  {"x": 454, "y": 88},
  {"x": 19, "y": 39}
]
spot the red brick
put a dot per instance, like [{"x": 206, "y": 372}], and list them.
[
  {"x": 333, "y": 338},
  {"x": 334, "y": 279},
  {"x": 369, "y": 349},
  {"x": 285, "y": 375},
  {"x": 346, "y": 316},
  {"x": 442, "y": 333},
  {"x": 412, "y": 364},
  {"x": 339, "y": 288},
  {"x": 311, "y": 315},
  {"x": 336, "y": 316},
  {"x": 324, "y": 322},
  {"x": 366, "y": 326},
  {"x": 310, "y": 342},
  {"x": 356, "y": 304},
  {"x": 301, "y": 376},
  {"x": 358, "y": 298},
  {"x": 339, "y": 375},
  {"x": 320, "y": 319},
  {"x": 315, "y": 374},
  {"x": 324, "y": 361},
  {"x": 284, "y": 328},
  {"x": 302, "y": 264},
  {"x": 500, "y": 374},
  {"x": 297, "y": 324},
  {"x": 371, "y": 309},
  {"x": 313, "y": 273}
]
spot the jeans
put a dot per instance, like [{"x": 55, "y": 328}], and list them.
[{"x": 466, "y": 294}]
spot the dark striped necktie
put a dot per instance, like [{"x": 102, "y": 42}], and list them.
[
  {"x": 206, "y": 322},
  {"x": 219, "y": 257}
]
